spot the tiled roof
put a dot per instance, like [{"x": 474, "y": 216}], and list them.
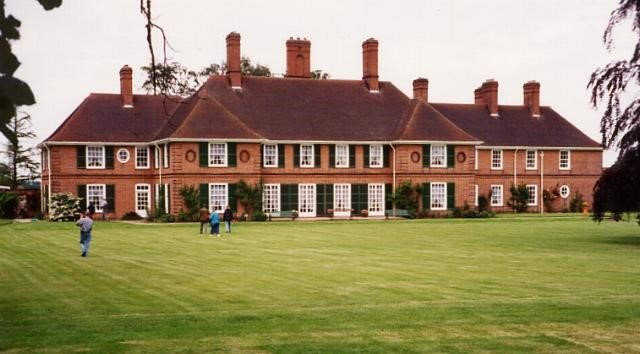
[
  {"x": 515, "y": 126},
  {"x": 102, "y": 118},
  {"x": 422, "y": 122},
  {"x": 297, "y": 109}
]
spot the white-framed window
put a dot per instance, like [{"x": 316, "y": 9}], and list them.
[
  {"x": 496, "y": 159},
  {"x": 218, "y": 197},
  {"x": 342, "y": 156},
  {"x": 165, "y": 155},
  {"x": 143, "y": 199},
  {"x": 218, "y": 155},
  {"x": 96, "y": 195},
  {"x": 307, "y": 200},
  {"x": 438, "y": 156},
  {"x": 306, "y": 155},
  {"x": 375, "y": 156},
  {"x": 123, "y": 155},
  {"x": 95, "y": 157},
  {"x": 142, "y": 157},
  {"x": 533, "y": 194},
  {"x": 270, "y": 155},
  {"x": 565, "y": 160},
  {"x": 376, "y": 199},
  {"x": 342, "y": 199},
  {"x": 532, "y": 159},
  {"x": 496, "y": 195},
  {"x": 271, "y": 198},
  {"x": 564, "y": 191},
  {"x": 438, "y": 196}
]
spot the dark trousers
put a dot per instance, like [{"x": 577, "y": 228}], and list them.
[{"x": 203, "y": 226}]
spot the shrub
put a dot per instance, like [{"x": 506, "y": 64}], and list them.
[
  {"x": 64, "y": 206},
  {"x": 406, "y": 197},
  {"x": 8, "y": 203},
  {"x": 259, "y": 216},
  {"x": 577, "y": 203},
  {"x": 519, "y": 198},
  {"x": 191, "y": 196},
  {"x": 131, "y": 215},
  {"x": 483, "y": 203}
]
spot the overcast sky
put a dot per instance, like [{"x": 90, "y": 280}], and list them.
[{"x": 79, "y": 48}]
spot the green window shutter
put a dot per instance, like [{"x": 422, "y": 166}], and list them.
[
  {"x": 233, "y": 200},
  {"x": 296, "y": 155},
  {"x": 261, "y": 158},
  {"x": 359, "y": 197},
  {"x": 204, "y": 154},
  {"x": 388, "y": 196},
  {"x": 365, "y": 150},
  {"x": 451, "y": 195},
  {"x": 160, "y": 204},
  {"x": 281, "y": 155},
  {"x": 352, "y": 156},
  {"x": 317, "y": 161},
  {"x": 324, "y": 198},
  {"x": 385, "y": 155},
  {"x": 81, "y": 156},
  {"x": 426, "y": 155},
  {"x": 451, "y": 158},
  {"x": 288, "y": 197},
  {"x": 231, "y": 155},
  {"x": 111, "y": 197},
  {"x": 332, "y": 155},
  {"x": 167, "y": 202},
  {"x": 426, "y": 196},
  {"x": 82, "y": 193},
  {"x": 203, "y": 196},
  {"x": 108, "y": 157}
]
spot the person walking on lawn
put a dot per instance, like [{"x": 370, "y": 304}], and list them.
[
  {"x": 86, "y": 224},
  {"x": 214, "y": 220},
  {"x": 227, "y": 217},
  {"x": 204, "y": 219}
]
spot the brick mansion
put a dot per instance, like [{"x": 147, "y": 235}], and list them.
[{"x": 318, "y": 146}]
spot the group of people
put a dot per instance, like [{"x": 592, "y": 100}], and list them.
[{"x": 213, "y": 221}]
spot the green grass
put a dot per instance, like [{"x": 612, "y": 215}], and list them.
[{"x": 533, "y": 284}]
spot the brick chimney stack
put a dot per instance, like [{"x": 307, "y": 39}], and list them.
[
  {"x": 421, "y": 89},
  {"x": 532, "y": 97},
  {"x": 370, "y": 64},
  {"x": 233, "y": 60},
  {"x": 126, "y": 86},
  {"x": 298, "y": 58},
  {"x": 487, "y": 94}
]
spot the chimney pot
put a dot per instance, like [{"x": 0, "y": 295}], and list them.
[
  {"x": 370, "y": 64},
  {"x": 489, "y": 92},
  {"x": 298, "y": 58},
  {"x": 233, "y": 60},
  {"x": 421, "y": 89},
  {"x": 126, "y": 86},
  {"x": 531, "y": 95}
]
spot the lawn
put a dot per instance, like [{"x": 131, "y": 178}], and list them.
[{"x": 534, "y": 284}]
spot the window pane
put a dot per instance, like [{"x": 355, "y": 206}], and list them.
[
  {"x": 341, "y": 197},
  {"x": 533, "y": 195},
  {"x": 342, "y": 155},
  {"x": 496, "y": 195},
  {"x": 95, "y": 156},
  {"x": 142, "y": 157},
  {"x": 438, "y": 196},
  {"x": 96, "y": 195},
  {"x": 142, "y": 197},
  {"x": 217, "y": 197},
  {"x": 271, "y": 155},
  {"x": 531, "y": 159},
  {"x": 217, "y": 154},
  {"x": 376, "y": 199},
  {"x": 375, "y": 156},
  {"x": 438, "y": 156},
  {"x": 271, "y": 198},
  {"x": 496, "y": 159},
  {"x": 306, "y": 155}
]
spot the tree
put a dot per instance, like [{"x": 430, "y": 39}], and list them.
[
  {"x": 250, "y": 197},
  {"x": 319, "y": 75},
  {"x": 13, "y": 91},
  {"x": 617, "y": 189},
  {"x": 21, "y": 164},
  {"x": 519, "y": 198},
  {"x": 175, "y": 79},
  {"x": 191, "y": 196},
  {"x": 406, "y": 197}
]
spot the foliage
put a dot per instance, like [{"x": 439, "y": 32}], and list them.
[
  {"x": 191, "y": 196},
  {"x": 519, "y": 198},
  {"x": 466, "y": 212},
  {"x": 131, "y": 215},
  {"x": 617, "y": 189},
  {"x": 320, "y": 75},
  {"x": 250, "y": 197},
  {"x": 259, "y": 215},
  {"x": 616, "y": 85},
  {"x": 406, "y": 197},
  {"x": 483, "y": 203},
  {"x": 8, "y": 203},
  {"x": 21, "y": 164},
  {"x": 64, "y": 206},
  {"x": 577, "y": 203},
  {"x": 13, "y": 91},
  {"x": 548, "y": 196},
  {"x": 171, "y": 79},
  {"x": 175, "y": 79}
]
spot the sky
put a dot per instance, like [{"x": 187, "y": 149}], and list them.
[{"x": 74, "y": 50}]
